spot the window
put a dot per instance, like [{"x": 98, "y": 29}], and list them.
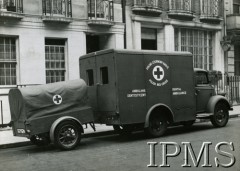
[
  {"x": 148, "y": 3},
  {"x": 236, "y": 7},
  {"x": 211, "y": 7},
  {"x": 104, "y": 75},
  {"x": 201, "y": 78},
  {"x": 100, "y": 9},
  {"x": 149, "y": 38},
  {"x": 7, "y": 61},
  {"x": 11, "y": 5},
  {"x": 199, "y": 43},
  {"x": 57, "y": 7},
  {"x": 55, "y": 60},
  {"x": 184, "y": 5},
  {"x": 90, "y": 78}
]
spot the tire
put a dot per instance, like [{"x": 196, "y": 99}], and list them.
[
  {"x": 40, "y": 140},
  {"x": 157, "y": 126},
  {"x": 67, "y": 135},
  {"x": 188, "y": 124},
  {"x": 220, "y": 116},
  {"x": 123, "y": 130}
]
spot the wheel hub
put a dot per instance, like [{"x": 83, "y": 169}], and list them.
[
  {"x": 68, "y": 136},
  {"x": 220, "y": 116}
]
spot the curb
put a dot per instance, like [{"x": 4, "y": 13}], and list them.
[
  {"x": 206, "y": 120},
  {"x": 16, "y": 144},
  {"x": 89, "y": 135},
  {"x": 27, "y": 143}
]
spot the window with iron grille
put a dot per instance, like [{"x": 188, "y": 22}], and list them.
[
  {"x": 7, "y": 61},
  {"x": 57, "y": 8},
  {"x": 55, "y": 60},
  {"x": 100, "y": 9},
  {"x": 11, "y": 5},
  {"x": 211, "y": 7},
  {"x": 180, "y": 5},
  {"x": 199, "y": 43},
  {"x": 149, "y": 3},
  {"x": 236, "y": 7}
]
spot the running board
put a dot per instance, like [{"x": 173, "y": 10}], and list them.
[{"x": 204, "y": 115}]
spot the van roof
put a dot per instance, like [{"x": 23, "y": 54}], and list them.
[{"x": 132, "y": 51}]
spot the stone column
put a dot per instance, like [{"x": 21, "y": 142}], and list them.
[
  {"x": 137, "y": 35},
  {"x": 169, "y": 38},
  {"x": 119, "y": 41},
  {"x": 218, "y": 53}
]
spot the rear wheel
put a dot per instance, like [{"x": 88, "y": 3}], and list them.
[
  {"x": 157, "y": 126},
  {"x": 221, "y": 115},
  {"x": 67, "y": 135},
  {"x": 40, "y": 140}
]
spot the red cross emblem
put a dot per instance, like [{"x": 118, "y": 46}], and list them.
[{"x": 57, "y": 99}]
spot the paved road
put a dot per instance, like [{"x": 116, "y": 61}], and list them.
[{"x": 120, "y": 154}]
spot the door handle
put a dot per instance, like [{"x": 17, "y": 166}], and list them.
[{"x": 197, "y": 91}]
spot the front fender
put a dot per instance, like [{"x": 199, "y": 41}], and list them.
[
  {"x": 59, "y": 120},
  {"x": 214, "y": 100}
]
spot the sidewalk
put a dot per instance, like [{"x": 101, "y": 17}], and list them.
[{"x": 7, "y": 140}]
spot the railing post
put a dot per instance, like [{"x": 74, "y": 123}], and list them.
[
  {"x": 238, "y": 78},
  {"x": 1, "y": 111},
  {"x": 112, "y": 11},
  {"x": 231, "y": 87}
]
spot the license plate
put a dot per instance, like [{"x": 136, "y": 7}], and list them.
[{"x": 21, "y": 131}]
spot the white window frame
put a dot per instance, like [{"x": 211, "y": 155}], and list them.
[
  {"x": 56, "y": 69},
  {"x": 200, "y": 44},
  {"x": 11, "y": 61}
]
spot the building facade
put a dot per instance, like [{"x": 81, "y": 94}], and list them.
[
  {"x": 178, "y": 25},
  {"x": 41, "y": 40},
  {"x": 233, "y": 36}
]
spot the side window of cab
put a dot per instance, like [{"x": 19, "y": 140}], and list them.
[{"x": 201, "y": 78}]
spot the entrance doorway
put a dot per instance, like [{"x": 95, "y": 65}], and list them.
[
  {"x": 96, "y": 42},
  {"x": 237, "y": 59},
  {"x": 149, "y": 38}
]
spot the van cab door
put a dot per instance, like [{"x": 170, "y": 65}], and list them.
[{"x": 203, "y": 90}]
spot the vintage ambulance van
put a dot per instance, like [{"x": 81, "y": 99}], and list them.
[
  {"x": 150, "y": 90},
  {"x": 127, "y": 89}
]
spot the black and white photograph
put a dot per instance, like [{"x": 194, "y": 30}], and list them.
[{"x": 129, "y": 85}]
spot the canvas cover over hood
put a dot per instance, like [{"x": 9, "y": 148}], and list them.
[{"x": 43, "y": 100}]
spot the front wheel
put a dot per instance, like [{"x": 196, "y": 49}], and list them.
[
  {"x": 221, "y": 115},
  {"x": 67, "y": 135},
  {"x": 157, "y": 126}
]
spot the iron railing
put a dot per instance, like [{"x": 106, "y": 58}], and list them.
[
  {"x": 100, "y": 9},
  {"x": 227, "y": 85},
  {"x": 211, "y": 8},
  {"x": 11, "y": 5},
  {"x": 148, "y": 3},
  {"x": 57, "y": 8},
  {"x": 181, "y": 5}
]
